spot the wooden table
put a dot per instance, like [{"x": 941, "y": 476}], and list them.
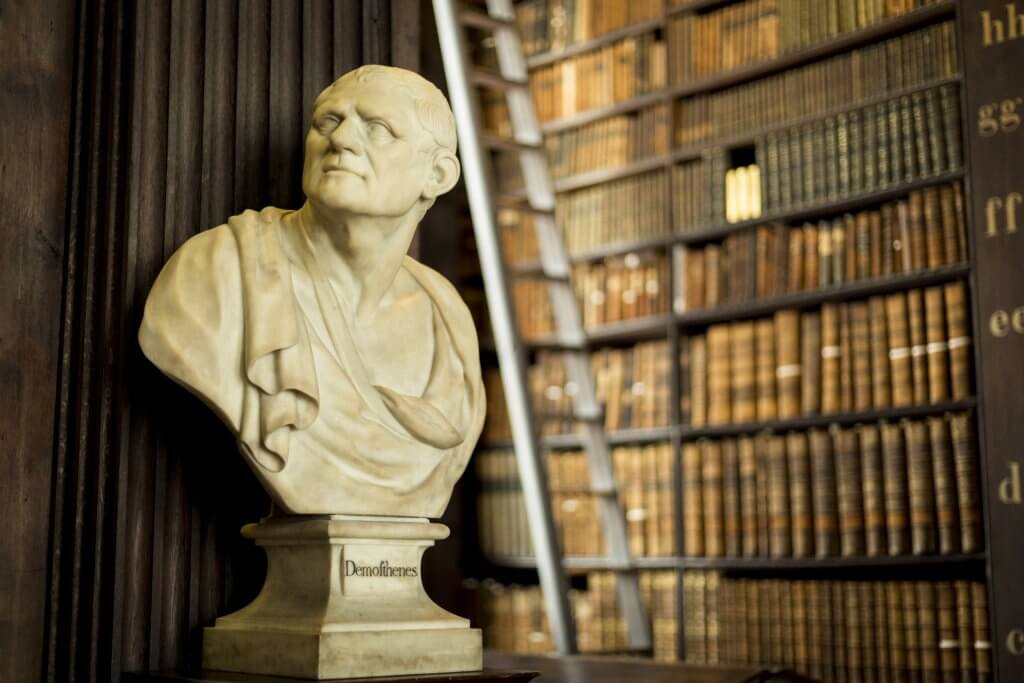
[
  {"x": 590, "y": 669},
  {"x": 503, "y": 667}
]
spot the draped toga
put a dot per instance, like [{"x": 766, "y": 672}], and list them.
[{"x": 261, "y": 336}]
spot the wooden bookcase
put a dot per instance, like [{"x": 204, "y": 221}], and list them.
[{"x": 991, "y": 43}]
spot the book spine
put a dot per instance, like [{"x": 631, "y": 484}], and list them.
[
  {"x": 921, "y": 487},
  {"x": 849, "y": 492},
  {"x": 780, "y": 539},
  {"x": 946, "y": 507},
  {"x": 873, "y": 491},
  {"x": 825, "y": 505}
]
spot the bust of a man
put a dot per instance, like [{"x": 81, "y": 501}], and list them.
[{"x": 349, "y": 371}]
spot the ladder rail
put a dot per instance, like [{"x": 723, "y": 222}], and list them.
[
  {"x": 510, "y": 352},
  {"x": 527, "y": 140},
  {"x": 540, "y": 192}
]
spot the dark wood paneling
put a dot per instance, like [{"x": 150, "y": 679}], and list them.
[
  {"x": 995, "y": 138},
  {"x": 184, "y": 113},
  {"x": 36, "y": 75}
]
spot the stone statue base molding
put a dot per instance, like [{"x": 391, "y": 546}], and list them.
[{"x": 343, "y": 598}]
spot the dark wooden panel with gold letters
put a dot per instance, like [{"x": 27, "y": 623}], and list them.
[{"x": 993, "y": 45}]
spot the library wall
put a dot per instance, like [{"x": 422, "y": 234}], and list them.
[{"x": 781, "y": 251}]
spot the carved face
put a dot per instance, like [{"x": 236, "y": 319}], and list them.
[{"x": 366, "y": 152}]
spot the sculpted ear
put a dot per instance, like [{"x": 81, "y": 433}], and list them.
[{"x": 443, "y": 174}]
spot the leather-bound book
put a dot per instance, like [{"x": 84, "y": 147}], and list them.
[
  {"x": 800, "y": 631},
  {"x": 825, "y": 504},
  {"x": 890, "y": 238},
  {"x": 810, "y": 240},
  {"x": 845, "y": 358},
  {"x": 650, "y": 492},
  {"x": 861, "y": 255},
  {"x": 896, "y": 616},
  {"x": 949, "y": 107},
  {"x": 936, "y": 349},
  {"x": 840, "y": 637},
  {"x": 965, "y": 632},
  {"x": 897, "y": 496},
  {"x": 881, "y": 384},
  {"x": 831, "y": 354},
  {"x": 666, "y": 499},
  {"x": 961, "y": 220},
  {"x": 743, "y": 380},
  {"x": 825, "y": 247},
  {"x": 918, "y": 350},
  {"x": 946, "y": 509},
  {"x": 878, "y": 246},
  {"x": 849, "y": 492},
  {"x": 880, "y": 623},
  {"x": 697, "y": 366},
  {"x": 810, "y": 362},
  {"x": 779, "y": 540},
  {"x": 917, "y": 254},
  {"x": 711, "y": 492},
  {"x": 860, "y": 347},
  {"x": 939, "y": 162},
  {"x": 948, "y": 645},
  {"x": 911, "y": 630},
  {"x": 982, "y": 638},
  {"x": 816, "y": 627},
  {"x": 853, "y": 613},
  {"x": 949, "y": 225},
  {"x": 936, "y": 256},
  {"x": 928, "y": 627},
  {"x": 958, "y": 341},
  {"x": 694, "y": 624},
  {"x": 712, "y": 580},
  {"x": 788, "y": 371},
  {"x": 748, "y": 496},
  {"x": 713, "y": 295},
  {"x": 718, "y": 383},
  {"x": 873, "y": 485},
  {"x": 900, "y": 370},
  {"x": 693, "y": 500},
  {"x": 762, "y": 455},
  {"x": 732, "y": 512},
  {"x": 922, "y": 488},
  {"x": 965, "y": 465},
  {"x": 795, "y": 280},
  {"x": 801, "y": 510},
  {"x": 767, "y": 405}
]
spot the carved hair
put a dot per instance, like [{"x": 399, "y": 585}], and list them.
[{"x": 431, "y": 106}]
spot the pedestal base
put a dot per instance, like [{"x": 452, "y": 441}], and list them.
[{"x": 343, "y": 598}]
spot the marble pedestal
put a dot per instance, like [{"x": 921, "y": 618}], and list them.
[{"x": 343, "y": 598}]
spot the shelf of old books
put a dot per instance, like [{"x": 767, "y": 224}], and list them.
[{"x": 767, "y": 207}]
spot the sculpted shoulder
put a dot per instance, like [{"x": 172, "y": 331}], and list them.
[{"x": 192, "y": 325}]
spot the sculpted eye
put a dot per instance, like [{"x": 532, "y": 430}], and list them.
[
  {"x": 326, "y": 123},
  {"x": 379, "y": 131}
]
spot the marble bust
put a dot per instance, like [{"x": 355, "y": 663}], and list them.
[{"x": 348, "y": 371}]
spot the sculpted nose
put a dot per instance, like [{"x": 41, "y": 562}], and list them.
[{"x": 346, "y": 136}]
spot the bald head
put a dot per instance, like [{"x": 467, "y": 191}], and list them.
[{"x": 431, "y": 107}]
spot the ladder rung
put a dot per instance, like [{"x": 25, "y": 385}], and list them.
[
  {"x": 519, "y": 203},
  {"x": 498, "y": 142},
  {"x": 600, "y": 563},
  {"x": 497, "y": 81},
  {"x": 596, "y": 416},
  {"x": 552, "y": 343},
  {"x": 477, "y": 19}
]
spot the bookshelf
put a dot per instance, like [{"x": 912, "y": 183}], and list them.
[{"x": 967, "y": 589}]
